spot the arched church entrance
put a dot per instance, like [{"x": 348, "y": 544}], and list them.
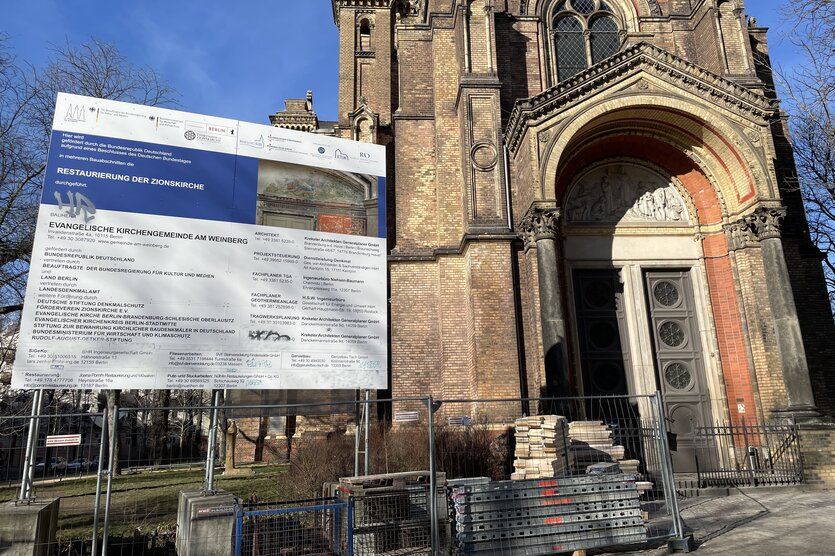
[{"x": 636, "y": 292}]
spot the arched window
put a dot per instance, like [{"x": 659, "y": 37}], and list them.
[
  {"x": 583, "y": 32},
  {"x": 365, "y": 36}
]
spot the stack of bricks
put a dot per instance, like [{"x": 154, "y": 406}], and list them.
[
  {"x": 591, "y": 442},
  {"x": 541, "y": 448}
]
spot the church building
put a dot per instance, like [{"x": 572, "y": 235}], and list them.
[{"x": 589, "y": 198}]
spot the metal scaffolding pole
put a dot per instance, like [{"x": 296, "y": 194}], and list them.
[
  {"x": 99, "y": 473},
  {"x": 111, "y": 464},
  {"x": 28, "y": 476},
  {"x": 210, "y": 456}
]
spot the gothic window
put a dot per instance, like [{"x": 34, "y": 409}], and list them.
[{"x": 583, "y": 33}]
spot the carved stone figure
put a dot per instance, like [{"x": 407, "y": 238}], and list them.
[{"x": 625, "y": 193}]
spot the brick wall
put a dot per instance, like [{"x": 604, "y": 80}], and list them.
[{"x": 817, "y": 449}]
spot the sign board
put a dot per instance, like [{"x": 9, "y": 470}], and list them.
[
  {"x": 63, "y": 440},
  {"x": 175, "y": 250},
  {"x": 406, "y": 417}
]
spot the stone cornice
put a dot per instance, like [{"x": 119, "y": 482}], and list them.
[
  {"x": 433, "y": 254},
  {"x": 642, "y": 56},
  {"x": 337, "y": 4}
]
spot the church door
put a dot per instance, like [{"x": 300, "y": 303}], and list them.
[
  {"x": 676, "y": 348},
  {"x": 678, "y": 367},
  {"x": 601, "y": 332}
]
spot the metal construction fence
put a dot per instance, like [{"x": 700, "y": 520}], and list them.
[
  {"x": 306, "y": 526},
  {"x": 370, "y": 467}
]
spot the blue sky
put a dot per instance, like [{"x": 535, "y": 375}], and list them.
[{"x": 233, "y": 59}]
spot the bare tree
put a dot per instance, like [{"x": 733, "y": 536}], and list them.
[
  {"x": 27, "y": 104},
  {"x": 21, "y": 169},
  {"x": 810, "y": 96}
]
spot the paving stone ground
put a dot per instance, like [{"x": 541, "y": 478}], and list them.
[{"x": 760, "y": 523}]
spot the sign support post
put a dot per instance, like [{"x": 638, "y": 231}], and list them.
[
  {"x": 27, "y": 477},
  {"x": 99, "y": 471}
]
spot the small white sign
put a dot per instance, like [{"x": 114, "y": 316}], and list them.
[
  {"x": 63, "y": 440},
  {"x": 740, "y": 408},
  {"x": 406, "y": 417}
]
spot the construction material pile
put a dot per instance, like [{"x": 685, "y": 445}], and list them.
[
  {"x": 543, "y": 516},
  {"x": 591, "y": 442},
  {"x": 541, "y": 447}
]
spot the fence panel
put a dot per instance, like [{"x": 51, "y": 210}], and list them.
[
  {"x": 299, "y": 527},
  {"x": 749, "y": 455},
  {"x": 278, "y": 454}
]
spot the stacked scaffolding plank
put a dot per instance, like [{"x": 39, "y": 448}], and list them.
[
  {"x": 541, "y": 447},
  {"x": 547, "y": 516}
]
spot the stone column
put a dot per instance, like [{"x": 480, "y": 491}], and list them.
[
  {"x": 539, "y": 230},
  {"x": 765, "y": 225}
]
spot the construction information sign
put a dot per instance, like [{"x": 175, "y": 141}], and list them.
[{"x": 175, "y": 250}]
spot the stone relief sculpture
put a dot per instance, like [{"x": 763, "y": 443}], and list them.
[{"x": 625, "y": 193}]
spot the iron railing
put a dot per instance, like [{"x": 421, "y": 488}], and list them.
[{"x": 747, "y": 454}]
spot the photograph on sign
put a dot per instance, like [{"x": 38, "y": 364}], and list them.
[{"x": 175, "y": 250}]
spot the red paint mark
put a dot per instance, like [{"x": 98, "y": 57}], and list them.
[
  {"x": 547, "y": 483},
  {"x": 557, "y": 501},
  {"x": 552, "y": 520}
]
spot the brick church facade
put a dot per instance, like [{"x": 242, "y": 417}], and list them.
[{"x": 589, "y": 197}]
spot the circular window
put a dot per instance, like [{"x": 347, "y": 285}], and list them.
[
  {"x": 607, "y": 377},
  {"x": 678, "y": 376},
  {"x": 665, "y": 293},
  {"x": 671, "y": 334},
  {"x": 598, "y": 294},
  {"x": 602, "y": 335}
]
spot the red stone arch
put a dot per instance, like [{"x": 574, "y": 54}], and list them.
[{"x": 659, "y": 142}]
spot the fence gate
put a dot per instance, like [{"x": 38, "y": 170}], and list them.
[
  {"x": 300, "y": 527},
  {"x": 749, "y": 455}
]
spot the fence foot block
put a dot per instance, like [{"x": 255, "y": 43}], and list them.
[{"x": 683, "y": 544}]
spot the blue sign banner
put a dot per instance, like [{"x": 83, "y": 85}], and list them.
[{"x": 146, "y": 178}]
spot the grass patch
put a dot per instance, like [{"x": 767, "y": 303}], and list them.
[{"x": 146, "y": 501}]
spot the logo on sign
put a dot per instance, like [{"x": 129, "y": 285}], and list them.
[
  {"x": 76, "y": 113},
  {"x": 365, "y": 155},
  {"x": 190, "y": 135},
  {"x": 321, "y": 150},
  {"x": 257, "y": 144},
  {"x": 340, "y": 155}
]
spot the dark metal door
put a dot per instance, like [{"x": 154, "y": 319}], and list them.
[
  {"x": 678, "y": 360},
  {"x": 598, "y": 298}
]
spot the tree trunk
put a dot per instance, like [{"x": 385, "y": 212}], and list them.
[{"x": 160, "y": 426}]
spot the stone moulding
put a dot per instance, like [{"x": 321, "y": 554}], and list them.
[{"x": 640, "y": 56}]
